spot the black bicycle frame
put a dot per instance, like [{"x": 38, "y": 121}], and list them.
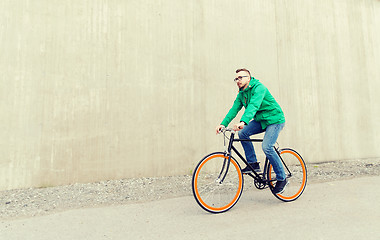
[{"x": 255, "y": 175}]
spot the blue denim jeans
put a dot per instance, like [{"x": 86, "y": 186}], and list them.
[{"x": 270, "y": 138}]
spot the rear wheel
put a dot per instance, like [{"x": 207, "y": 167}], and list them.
[
  {"x": 217, "y": 183},
  {"x": 296, "y": 173}
]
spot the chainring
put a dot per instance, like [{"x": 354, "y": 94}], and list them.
[{"x": 260, "y": 185}]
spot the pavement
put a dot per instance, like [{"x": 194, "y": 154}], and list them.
[{"x": 347, "y": 209}]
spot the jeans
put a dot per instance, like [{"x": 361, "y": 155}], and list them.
[{"x": 270, "y": 138}]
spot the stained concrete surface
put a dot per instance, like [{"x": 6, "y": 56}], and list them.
[{"x": 348, "y": 209}]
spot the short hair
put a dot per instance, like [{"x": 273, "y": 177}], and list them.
[{"x": 243, "y": 69}]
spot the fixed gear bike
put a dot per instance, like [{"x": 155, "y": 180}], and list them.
[{"x": 218, "y": 182}]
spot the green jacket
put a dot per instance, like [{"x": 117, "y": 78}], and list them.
[{"x": 259, "y": 105}]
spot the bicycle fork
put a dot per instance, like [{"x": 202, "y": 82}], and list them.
[{"x": 227, "y": 161}]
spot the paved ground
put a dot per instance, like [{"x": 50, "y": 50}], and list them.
[{"x": 348, "y": 209}]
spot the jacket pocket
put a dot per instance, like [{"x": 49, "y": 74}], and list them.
[{"x": 270, "y": 114}]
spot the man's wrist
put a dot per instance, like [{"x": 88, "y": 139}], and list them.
[{"x": 243, "y": 122}]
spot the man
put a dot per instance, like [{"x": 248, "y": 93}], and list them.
[{"x": 262, "y": 114}]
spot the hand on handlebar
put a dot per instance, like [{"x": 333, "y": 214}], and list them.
[
  {"x": 219, "y": 129},
  {"x": 238, "y": 126}
]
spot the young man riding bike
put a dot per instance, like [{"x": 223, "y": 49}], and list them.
[{"x": 262, "y": 114}]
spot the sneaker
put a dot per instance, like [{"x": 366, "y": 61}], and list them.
[
  {"x": 280, "y": 186},
  {"x": 255, "y": 166}
]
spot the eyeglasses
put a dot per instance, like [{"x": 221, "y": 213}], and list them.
[{"x": 239, "y": 78}]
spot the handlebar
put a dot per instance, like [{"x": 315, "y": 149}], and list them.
[{"x": 224, "y": 129}]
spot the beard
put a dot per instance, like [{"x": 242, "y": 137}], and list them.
[{"x": 243, "y": 86}]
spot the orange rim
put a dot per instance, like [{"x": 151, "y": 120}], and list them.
[
  {"x": 237, "y": 193},
  {"x": 303, "y": 178}
]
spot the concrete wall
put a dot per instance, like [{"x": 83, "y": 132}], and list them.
[{"x": 108, "y": 89}]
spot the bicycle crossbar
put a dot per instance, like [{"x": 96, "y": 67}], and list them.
[{"x": 248, "y": 140}]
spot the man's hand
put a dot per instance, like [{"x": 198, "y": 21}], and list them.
[
  {"x": 238, "y": 126},
  {"x": 219, "y": 128}
]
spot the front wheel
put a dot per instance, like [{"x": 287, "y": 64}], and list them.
[
  {"x": 296, "y": 173},
  {"x": 217, "y": 183}
]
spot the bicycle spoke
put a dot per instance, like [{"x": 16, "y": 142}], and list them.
[
  {"x": 295, "y": 169},
  {"x": 216, "y": 186}
]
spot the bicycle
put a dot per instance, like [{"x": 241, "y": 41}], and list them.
[{"x": 218, "y": 182}]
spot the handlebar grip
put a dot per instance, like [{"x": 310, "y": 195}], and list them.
[{"x": 226, "y": 129}]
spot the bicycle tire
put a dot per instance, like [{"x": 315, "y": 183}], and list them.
[
  {"x": 296, "y": 171},
  {"x": 212, "y": 194}
]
